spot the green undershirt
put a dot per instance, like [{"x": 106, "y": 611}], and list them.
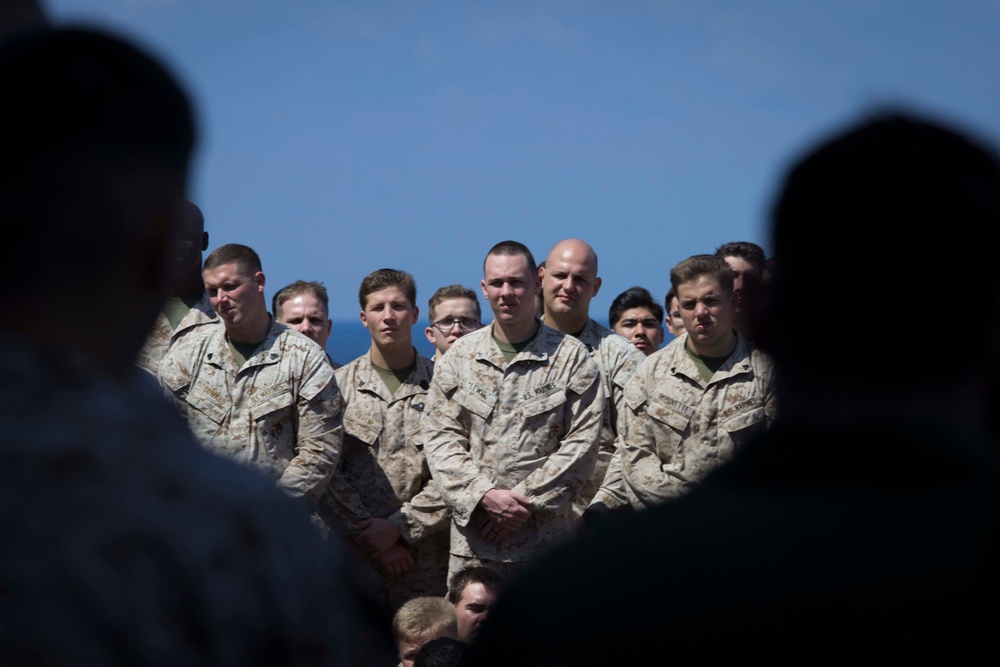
[
  {"x": 393, "y": 378},
  {"x": 706, "y": 365},
  {"x": 510, "y": 350},
  {"x": 175, "y": 308},
  {"x": 241, "y": 351}
]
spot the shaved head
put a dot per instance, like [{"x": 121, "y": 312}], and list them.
[
  {"x": 569, "y": 282},
  {"x": 578, "y": 250}
]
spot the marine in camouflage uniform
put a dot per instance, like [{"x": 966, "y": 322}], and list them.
[
  {"x": 280, "y": 412},
  {"x": 530, "y": 425},
  {"x": 569, "y": 281},
  {"x": 163, "y": 335},
  {"x": 677, "y": 427},
  {"x": 382, "y": 472},
  {"x": 188, "y": 291},
  {"x": 618, "y": 360},
  {"x": 127, "y": 542}
]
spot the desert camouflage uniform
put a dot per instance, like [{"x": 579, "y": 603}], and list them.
[
  {"x": 281, "y": 412},
  {"x": 161, "y": 337},
  {"x": 125, "y": 542},
  {"x": 676, "y": 429},
  {"x": 617, "y": 358},
  {"x": 382, "y": 473},
  {"x": 530, "y": 426}
]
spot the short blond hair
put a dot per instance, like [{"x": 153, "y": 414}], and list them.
[{"x": 423, "y": 618}]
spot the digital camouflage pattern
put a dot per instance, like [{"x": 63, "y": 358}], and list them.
[
  {"x": 617, "y": 359},
  {"x": 676, "y": 429},
  {"x": 382, "y": 473},
  {"x": 281, "y": 412},
  {"x": 125, "y": 542},
  {"x": 162, "y": 336},
  {"x": 530, "y": 426}
]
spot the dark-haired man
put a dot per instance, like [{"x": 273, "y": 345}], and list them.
[
  {"x": 636, "y": 316},
  {"x": 511, "y": 426},
  {"x": 255, "y": 390},
  {"x": 381, "y": 495},
  {"x": 473, "y": 591}
]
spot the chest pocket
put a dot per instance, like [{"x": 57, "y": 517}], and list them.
[
  {"x": 478, "y": 405},
  {"x": 665, "y": 414},
  {"x": 207, "y": 405},
  {"x": 544, "y": 417},
  {"x": 743, "y": 426},
  {"x": 361, "y": 426}
]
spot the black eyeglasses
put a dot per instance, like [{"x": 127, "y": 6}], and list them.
[{"x": 463, "y": 323}]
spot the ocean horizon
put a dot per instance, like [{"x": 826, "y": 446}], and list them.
[{"x": 349, "y": 339}]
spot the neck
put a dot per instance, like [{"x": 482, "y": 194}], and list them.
[
  {"x": 394, "y": 358},
  {"x": 251, "y": 332},
  {"x": 568, "y": 324},
  {"x": 189, "y": 285},
  {"x": 722, "y": 348},
  {"x": 515, "y": 333}
]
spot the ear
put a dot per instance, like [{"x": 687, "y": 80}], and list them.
[
  {"x": 204, "y": 241},
  {"x": 429, "y": 332},
  {"x": 597, "y": 286},
  {"x": 416, "y": 313},
  {"x": 329, "y": 327},
  {"x": 364, "y": 319},
  {"x": 259, "y": 279},
  {"x": 482, "y": 286}
]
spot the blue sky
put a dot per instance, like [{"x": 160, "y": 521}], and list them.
[{"x": 343, "y": 137}]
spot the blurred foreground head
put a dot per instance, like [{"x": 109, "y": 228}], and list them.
[
  {"x": 97, "y": 139},
  {"x": 884, "y": 224}
]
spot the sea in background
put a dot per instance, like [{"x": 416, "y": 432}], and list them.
[{"x": 349, "y": 339}]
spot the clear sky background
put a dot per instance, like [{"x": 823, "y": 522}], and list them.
[{"x": 342, "y": 137}]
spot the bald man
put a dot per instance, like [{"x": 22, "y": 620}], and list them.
[{"x": 569, "y": 282}]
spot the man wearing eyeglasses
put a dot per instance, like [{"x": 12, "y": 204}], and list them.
[
  {"x": 381, "y": 493},
  {"x": 569, "y": 282},
  {"x": 454, "y": 312}
]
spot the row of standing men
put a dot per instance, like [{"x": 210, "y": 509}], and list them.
[
  {"x": 860, "y": 529},
  {"x": 513, "y": 438}
]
